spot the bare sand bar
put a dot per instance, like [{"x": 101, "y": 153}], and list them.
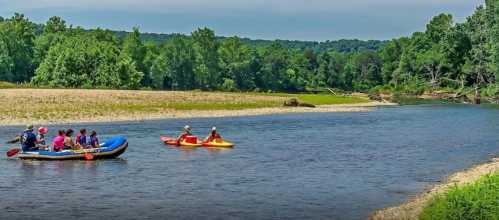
[{"x": 58, "y": 106}]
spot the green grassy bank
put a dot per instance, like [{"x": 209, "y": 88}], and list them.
[{"x": 477, "y": 201}]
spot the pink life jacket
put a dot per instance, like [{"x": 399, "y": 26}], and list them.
[{"x": 58, "y": 143}]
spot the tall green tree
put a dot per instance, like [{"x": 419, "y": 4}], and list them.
[
  {"x": 174, "y": 67},
  {"x": 18, "y": 37},
  {"x": 134, "y": 48},
  {"x": 235, "y": 61},
  {"x": 275, "y": 68},
  {"x": 492, "y": 7},
  {"x": 54, "y": 33},
  {"x": 6, "y": 63},
  {"x": 479, "y": 61},
  {"x": 390, "y": 55},
  {"x": 55, "y": 24},
  {"x": 207, "y": 59}
]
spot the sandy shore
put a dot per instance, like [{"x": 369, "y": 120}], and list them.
[
  {"x": 57, "y": 106},
  {"x": 412, "y": 208},
  {"x": 183, "y": 114}
]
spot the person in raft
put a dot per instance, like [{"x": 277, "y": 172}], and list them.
[
  {"x": 213, "y": 136},
  {"x": 185, "y": 133},
  {"x": 68, "y": 140},
  {"x": 59, "y": 141},
  {"x": 94, "y": 141},
  {"x": 28, "y": 139},
  {"x": 81, "y": 139},
  {"x": 40, "y": 138}
]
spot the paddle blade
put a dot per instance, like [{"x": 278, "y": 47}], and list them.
[
  {"x": 15, "y": 140},
  {"x": 89, "y": 156},
  {"x": 13, "y": 152}
]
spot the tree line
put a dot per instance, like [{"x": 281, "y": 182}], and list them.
[{"x": 447, "y": 55}]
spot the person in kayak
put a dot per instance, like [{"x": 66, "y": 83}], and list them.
[
  {"x": 213, "y": 136},
  {"x": 187, "y": 132},
  {"x": 59, "y": 141},
  {"x": 68, "y": 140},
  {"x": 40, "y": 138},
  {"x": 81, "y": 138},
  {"x": 28, "y": 139},
  {"x": 94, "y": 141}
]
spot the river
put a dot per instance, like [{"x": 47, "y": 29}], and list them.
[{"x": 294, "y": 166}]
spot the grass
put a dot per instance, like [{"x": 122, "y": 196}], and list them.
[
  {"x": 478, "y": 201},
  {"x": 321, "y": 99},
  {"x": 24, "y": 105}
]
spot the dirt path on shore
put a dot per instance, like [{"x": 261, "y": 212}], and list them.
[{"x": 412, "y": 208}]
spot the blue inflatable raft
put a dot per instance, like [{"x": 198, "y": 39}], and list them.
[{"x": 111, "y": 148}]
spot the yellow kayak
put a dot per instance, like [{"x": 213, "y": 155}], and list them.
[{"x": 218, "y": 143}]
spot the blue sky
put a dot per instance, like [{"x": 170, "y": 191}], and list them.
[{"x": 263, "y": 19}]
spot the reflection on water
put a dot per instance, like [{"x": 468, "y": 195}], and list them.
[{"x": 298, "y": 166}]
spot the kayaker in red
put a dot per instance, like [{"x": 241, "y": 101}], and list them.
[
  {"x": 185, "y": 133},
  {"x": 213, "y": 136}
]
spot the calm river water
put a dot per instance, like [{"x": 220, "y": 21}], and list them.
[{"x": 296, "y": 166}]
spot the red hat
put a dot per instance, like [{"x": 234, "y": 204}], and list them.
[{"x": 43, "y": 130}]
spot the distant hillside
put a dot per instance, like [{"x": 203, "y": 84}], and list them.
[{"x": 343, "y": 46}]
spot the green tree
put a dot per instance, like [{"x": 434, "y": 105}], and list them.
[
  {"x": 455, "y": 47},
  {"x": 275, "y": 68},
  {"x": 438, "y": 27},
  {"x": 479, "y": 62},
  {"x": 235, "y": 60},
  {"x": 54, "y": 25},
  {"x": 492, "y": 20},
  {"x": 84, "y": 61},
  {"x": 174, "y": 67},
  {"x": 432, "y": 64},
  {"x": 391, "y": 55},
  {"x": 18, "y": 36},
  {"x": 6, "y": 63},
  {"x": 134, "y": 48},
  {"x": 207, "y": 58},
  {"x": 130, "y": 77},
  {"x": 54, "y": 33}
]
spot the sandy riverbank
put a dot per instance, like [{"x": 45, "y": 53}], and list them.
[
  {"x": 412, "y": 208},
  {"x": 55, "y": 106}
]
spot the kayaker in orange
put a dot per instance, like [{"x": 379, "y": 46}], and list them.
[
  {"x": 185, "y": 133},
  {"x": 213, "y": 136}
]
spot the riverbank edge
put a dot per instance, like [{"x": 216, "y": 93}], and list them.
[
  {"x": 412, "y": 208},
  {"x": 187, "y": 114}
]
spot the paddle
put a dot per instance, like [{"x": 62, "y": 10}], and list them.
[
  {"x": 13, "y": 152},
  {"x": 15, "y": 140}
]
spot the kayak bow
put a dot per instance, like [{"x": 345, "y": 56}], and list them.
[{"x": 218, "y": 143}]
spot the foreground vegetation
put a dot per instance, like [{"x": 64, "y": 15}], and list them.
[
  {"x": 479, "y": 200},
  {"x": 455, "y": 56}
]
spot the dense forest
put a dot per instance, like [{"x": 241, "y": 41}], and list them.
[
  {"x": 447, "y": 55},
  {"x": 343, "y": 46}
]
